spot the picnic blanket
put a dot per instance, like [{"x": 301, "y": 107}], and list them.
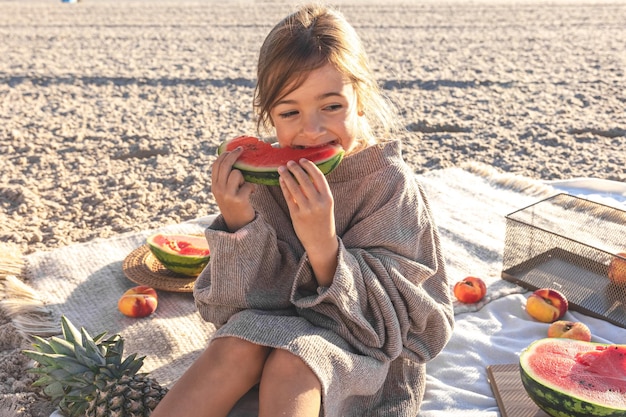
[{"x": 84, "y": 282}]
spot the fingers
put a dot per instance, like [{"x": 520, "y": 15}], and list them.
[
  {"x": 302, "y": 179},
  {"x": 228, "y": 184},
  {"x": 310, "y": 203},
  {"x": 223, "y": 165},
  {"x": 314, "y": 175},
  {"x": 231, "y": 191},
  {"x": 303, "y": 184}
]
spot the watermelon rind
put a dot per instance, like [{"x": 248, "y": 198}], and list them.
[
  {"x": 187, "y": 265},
  {"x": 268, "y": 175},
  {"x": 557, "y": 401}
]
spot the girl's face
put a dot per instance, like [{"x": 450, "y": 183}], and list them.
[{"x": 322, "y": 110}]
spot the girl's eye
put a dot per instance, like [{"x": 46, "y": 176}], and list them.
[
  {"x": 287, "y": 114},
  {"x": 333, "y": 107}
]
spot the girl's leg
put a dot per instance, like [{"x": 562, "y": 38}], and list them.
[
  {"x": 288, "y": 387},
  {"x": 223, "y": 373}
]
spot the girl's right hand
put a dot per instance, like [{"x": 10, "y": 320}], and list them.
[{"x": 231, "y": 192}]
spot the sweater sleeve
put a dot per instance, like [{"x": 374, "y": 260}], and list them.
[
  {"x": 390, "y": 295},
  {"x": 244, "y": 272}
]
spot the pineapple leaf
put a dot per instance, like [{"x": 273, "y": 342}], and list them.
[
  {"x": 54, "y": 390},
  {"x": 67, "y": 363},
  {"x": 97, "y": 339},
  {"x": 81, "y": 392},
  {"x": 86, "y": 338},
  {"x": 42, "y": 345},
  {"x": 80, "y": 352},
  {"x": 61, "y": 346},
  {"x": 115, "y": 351},
  {"x": 59, "y": 374},
  {"x": 132, "y": 365},
  {"x": 44, "y": 380},
  {"x": 91, "y": 350},
  {"x": 47, "y": 380},
  {"x": 42, "y": 358},
  {"x": 108, "y": 374},
  {"x": 70, "y": 332},
  {"x": 40, "y": 370},
  {"x": 115, "y": 360},
  {"x": 91, "y": 361},
  {"x": 81, "y": 382},
  {"x": 130, "y": 358},
  {"x": 75, "y": 407}
]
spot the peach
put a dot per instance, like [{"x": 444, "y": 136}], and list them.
[
  {"x": 570, "y": 330},
  {"x": 546, "y": 305},
  {"x": 140, "y": 301},
  {"x": 617, "y": 269},
  {"x": 470, "y": 290}
]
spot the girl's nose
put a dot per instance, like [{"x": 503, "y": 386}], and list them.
[{"x": 312, "y": 126}]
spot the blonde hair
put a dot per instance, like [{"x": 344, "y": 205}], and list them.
[{"x": 310, "y": 38}]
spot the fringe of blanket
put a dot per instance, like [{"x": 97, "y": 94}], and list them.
[
  {"x": 21, "y": 303},
  {"x": 540, "y": 189},
  {"x": 11, "y": 261},
  {"x": 508, "y": 180}
]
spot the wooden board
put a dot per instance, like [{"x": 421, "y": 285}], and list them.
[{"x": 510, "y": 394}]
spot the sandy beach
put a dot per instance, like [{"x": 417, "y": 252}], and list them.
[{"x": 111, "y": 112}]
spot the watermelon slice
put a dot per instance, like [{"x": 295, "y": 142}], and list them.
[
  {"x": 259, "y": 161},
  {"x": 180, "y": 253},
  {"x": 567, "y": 377}
]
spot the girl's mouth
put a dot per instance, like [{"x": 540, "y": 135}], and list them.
[{"x": 334, "y": 142}]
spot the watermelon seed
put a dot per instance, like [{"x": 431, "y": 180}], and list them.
[{"x": 585, "y": 384}]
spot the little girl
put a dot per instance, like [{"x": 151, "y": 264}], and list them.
[{"x": 329, "y": 293}]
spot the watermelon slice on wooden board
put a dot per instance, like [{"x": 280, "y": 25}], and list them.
[
  {"x": 572, "y": 378},
  {"x": 180, "y": 253},
  {"x": 259, "y": 161}
]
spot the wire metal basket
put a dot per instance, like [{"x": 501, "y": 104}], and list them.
[{"x": 573, "y": 245}]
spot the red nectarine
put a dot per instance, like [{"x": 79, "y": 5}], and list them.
[
  {"x": 546, "y": 305},
  {"x": 470, "y": 290},
  {"x": 140, "y": 301}
]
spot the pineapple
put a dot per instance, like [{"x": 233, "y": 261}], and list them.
[{"x": 87, "y": 376}]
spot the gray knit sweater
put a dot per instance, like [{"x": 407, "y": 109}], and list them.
[{"x": 388, "y": 311}]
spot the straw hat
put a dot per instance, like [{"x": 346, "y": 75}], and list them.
[{"x": 141, "y": 267}]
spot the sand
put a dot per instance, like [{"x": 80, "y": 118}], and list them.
[{"x": 111, "y": 112}]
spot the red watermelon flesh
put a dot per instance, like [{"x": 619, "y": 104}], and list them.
[
  {"x": 605, "y": 367},
  {"x": 184, "y": 245},
  {"x": 180, "y": 253},
  {"x": 261, "y": 156},
  {"x": 596, "y": 373}
]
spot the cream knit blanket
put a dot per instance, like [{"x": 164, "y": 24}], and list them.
[{"x": 84, "y": 281}]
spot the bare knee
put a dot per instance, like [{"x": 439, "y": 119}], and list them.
[
  {"x": 238, "y": 355},
  {"x": 238, "y": 350},
  {"x": 288, "y": 387},
  {"x": 225, "y": 371},
  {"x": 284, "y": 365}
]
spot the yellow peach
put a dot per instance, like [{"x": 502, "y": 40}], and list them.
[
  {"x": 140, "y": 301},
  {"x": 546, "y": 305},
  {"x": 617, "y": 269},
  {"x": 570, "y": 330}
]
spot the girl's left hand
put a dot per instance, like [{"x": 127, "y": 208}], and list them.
[{"x": 311, "y": 207}]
